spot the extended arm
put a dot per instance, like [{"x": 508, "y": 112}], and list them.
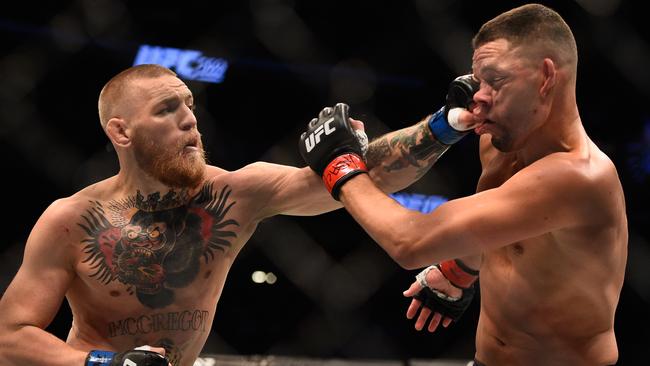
[
  {"x": 399, "y": 158},
  {"x": 542, "y": 198},
  {"x": 335, "y": 155},
  {"x": 281, "y": 189}
]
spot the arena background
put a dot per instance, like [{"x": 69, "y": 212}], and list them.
[{"x": 336, "y": 295}]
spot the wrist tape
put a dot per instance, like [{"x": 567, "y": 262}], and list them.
[
  {"x": 442, "y": 130},
  {"x": 458, "y": 273},
  {"x": 99, "y": 358},
  {"x": 339, "y": 170}
]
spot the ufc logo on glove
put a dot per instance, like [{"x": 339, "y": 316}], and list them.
[{"x": 314, "y": 138}]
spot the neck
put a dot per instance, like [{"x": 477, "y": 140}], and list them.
[{"x": 131, "y": 180}]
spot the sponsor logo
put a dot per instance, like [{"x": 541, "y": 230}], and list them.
[
  {"x": 188, "y": 64},
  {"x": 314, "y": 138}
]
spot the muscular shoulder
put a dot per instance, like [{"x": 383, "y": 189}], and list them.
[
  {"x": 269, "y": 189},
  {"x": 63, "y": 211},
  {"x": 577, "y": 171},
  {"x": 256, "y": 177},
  {"x": 252, "y": 173},
  {"x": 588, "y": 184},
  {"x": 55, "y": 234},
  {"x": 62, "y": 218}
]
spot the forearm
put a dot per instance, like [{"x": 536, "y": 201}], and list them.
[
  {"x": 399, "y": 158},
  {"x": 396, "y": 229},
  {"x": 304, "y": 194},
  {"x": 29, "y": 345},
  {"x": 413, "y": 239}
]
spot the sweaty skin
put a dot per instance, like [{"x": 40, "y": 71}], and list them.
[
  {"x": 171, "y": 297},
  {"x": 141, "y": 263},
  {"x": 557, "y": 303},
  {"x": 549, "y": 219}
]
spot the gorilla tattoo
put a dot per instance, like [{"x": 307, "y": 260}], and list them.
[{"x": 154, "y": 245}]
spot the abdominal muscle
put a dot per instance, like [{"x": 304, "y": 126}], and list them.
[
  {"x": 538, "y": 309},
  {"x": 123, "y": 323}
]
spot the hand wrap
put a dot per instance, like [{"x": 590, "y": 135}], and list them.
[
  {"x": 459, "y": 275},
  {"x": 444, "y": 123}
]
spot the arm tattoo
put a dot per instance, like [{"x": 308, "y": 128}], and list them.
[{"x": 412, "y": 147}]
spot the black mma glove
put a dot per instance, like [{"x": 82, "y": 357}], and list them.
[
  {"x": 444, "y": 123},
  {"x": 134, "y": 357},
  {"x": 459, "y": 275},
  {"x": 452, "y": 308},
  {"x": 332, "y": 149}
]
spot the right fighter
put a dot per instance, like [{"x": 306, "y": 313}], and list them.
[{"x": 548, "y": 223}]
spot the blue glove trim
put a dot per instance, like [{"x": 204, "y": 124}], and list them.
[
  {"x": 442, "y": 130},
  {"x": 99, "y": 358}
]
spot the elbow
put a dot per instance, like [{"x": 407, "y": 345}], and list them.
[
  {"x": 405, "y": 253},
  {"x": 405, "y": 243},
  {"x": 406, "y": 258}
]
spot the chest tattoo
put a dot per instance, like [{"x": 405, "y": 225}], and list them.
[{"x": 155, "y": 245}]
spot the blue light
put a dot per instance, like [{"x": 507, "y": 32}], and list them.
[
  {"x": 419, "y": 202},
  {"x": 188, "y": 64}
]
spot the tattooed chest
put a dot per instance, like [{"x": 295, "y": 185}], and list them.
[{"x": 156, "y": 245}]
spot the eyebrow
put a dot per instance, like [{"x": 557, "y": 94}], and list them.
[
  {"x": 489, "y": 69},
  {"x": 175, "y": 98}
]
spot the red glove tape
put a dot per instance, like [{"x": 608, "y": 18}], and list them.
[{"x": 346, "y": 165}]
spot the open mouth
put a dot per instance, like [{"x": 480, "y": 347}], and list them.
[
  {"x": 483, "y": 128},
  {"x": 192, "y": 143}
]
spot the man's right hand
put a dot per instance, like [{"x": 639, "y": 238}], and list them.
[
  {"x": 331, "y": 148},
  {"x": 141, "y": 356},
  {"x": 443, "y": 292}
]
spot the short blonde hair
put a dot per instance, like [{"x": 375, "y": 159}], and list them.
[{"x": 117, "y": 88}]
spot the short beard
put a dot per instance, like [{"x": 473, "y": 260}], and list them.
[
  {"x": 169, "y": 164},
  {"x": 503, "y": 143}
]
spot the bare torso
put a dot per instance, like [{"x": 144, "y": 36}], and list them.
[
  {"x": 149, "y": 271},
  {"x": 551, "y": 299}
]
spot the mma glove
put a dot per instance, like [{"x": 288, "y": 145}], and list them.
[
  {"x": 134, "y": 357},
  {"x": 332, "y": 148},
  {"x": 444, "y": 123},
  {"x": 460, "y": 276}
]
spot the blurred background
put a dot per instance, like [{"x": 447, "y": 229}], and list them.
[{"x": 260, "y": 69}]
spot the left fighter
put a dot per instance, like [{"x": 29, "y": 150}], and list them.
[{"x": 142, "y": 256}]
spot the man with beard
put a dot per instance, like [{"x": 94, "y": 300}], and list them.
[
  {"x": 142, "y": 256},
  {"x": 547, "y": 229}
]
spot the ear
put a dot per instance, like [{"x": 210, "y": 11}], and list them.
[
  {"x": 549, "y": 74},
  {"x": 118, "y": 131}
]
